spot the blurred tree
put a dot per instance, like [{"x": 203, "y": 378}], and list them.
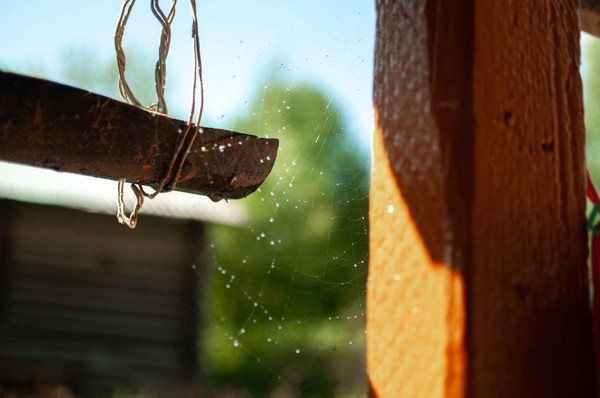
[
  {"x": 286, "y": 303},
  {"x": 81, "y": 66},
  {"x": 96, "y": 74},
  {"x": 591, "y": 97}
]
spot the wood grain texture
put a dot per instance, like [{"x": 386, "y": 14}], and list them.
[
  {"x": 592, "y": 5},
  {"x": 529, "y": 318},
  {"x": 51, "y": 125},
  {"x": 590, "y": 21},
  {"x": 420, "y": 200},
  {"x": 477, "y": 278}
]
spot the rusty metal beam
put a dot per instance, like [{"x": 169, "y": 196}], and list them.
[{"x": 51, "y": 125}]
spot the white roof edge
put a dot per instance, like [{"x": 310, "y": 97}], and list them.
[{"x": 97, "y": 195}]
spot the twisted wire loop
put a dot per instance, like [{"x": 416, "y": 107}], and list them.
[
  {"x": 160, "y": 71},
  {"x": 124, "y": 89},
  {"x": 130, "y": 221},
  {"x": 172, "y": 173},
  {"x": 169, "y": 180}
]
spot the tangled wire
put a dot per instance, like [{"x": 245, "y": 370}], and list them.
[{"x": 171, "y": 175}]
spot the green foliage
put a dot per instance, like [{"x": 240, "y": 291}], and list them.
[
  {"x": 591, "y": 96},
  {"x": 283, "y": 304},
  {"x": 81, "y": 66},
  {"x": 286, "y": 302}
]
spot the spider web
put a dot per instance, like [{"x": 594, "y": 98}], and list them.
[
  {"x": 295, "y": 292},
  {"x": 283, "y": 295},
  {"x": 289, "y": 306}
]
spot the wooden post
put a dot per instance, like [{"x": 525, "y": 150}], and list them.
[{"x": 477, "y": 278}]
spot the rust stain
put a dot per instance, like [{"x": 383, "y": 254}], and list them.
[{"x": 86, "y": 133}]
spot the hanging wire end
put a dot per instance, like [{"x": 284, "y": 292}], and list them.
[{"x": 130, "y": 221}]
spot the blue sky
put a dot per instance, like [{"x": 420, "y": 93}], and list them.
[{"x": 244, "y": 44}]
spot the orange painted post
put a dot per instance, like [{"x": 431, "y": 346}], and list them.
[{"x": 477, "y": 279}]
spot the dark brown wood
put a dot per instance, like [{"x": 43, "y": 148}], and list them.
[
  {"x": 592, "y": 5},
  {"x": 528, "y": 322},
  {"x": 589, "y": 13},
  {"x": 51, "y": 125}
]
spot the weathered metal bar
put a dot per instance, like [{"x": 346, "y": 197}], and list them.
[{"x": 51, "y": 125}]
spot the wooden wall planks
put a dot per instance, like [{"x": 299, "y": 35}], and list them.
[{"x": 83, "y": 293}]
